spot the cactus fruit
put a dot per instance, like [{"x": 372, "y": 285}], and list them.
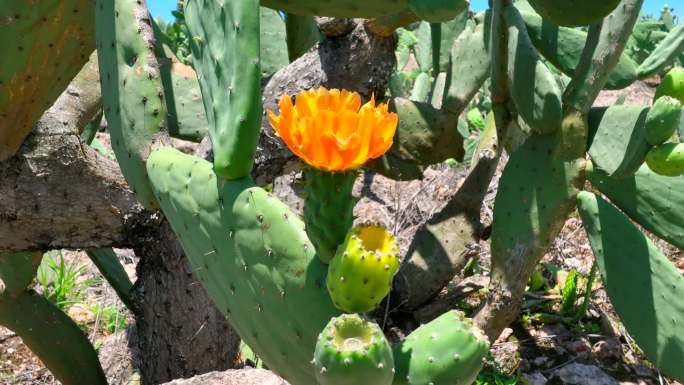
[
  {"x": 651, "y": 200},
  {"x": 574, "y": 13},
  {"x": 619, "y": 144},
  {"x": 672, "y": 85},
  {"x": 360, "y": 275},
  {"x": 328, "y": 209},
  {"x": 663, "y": 120},
  {"x": 666, "y": 159},
  {"x": 230, "y": 83},
  {"x": 645, "y": 288},
  {"x": 448, "y": 350},
  {"x": 352, "y": 350}
]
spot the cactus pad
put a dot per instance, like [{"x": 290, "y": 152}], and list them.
[
  {"x": 252, "y": 255},
  {"x": 574, "y": 13},
  {"x": 448, "y": 350},
  {"x": 645, "y": 288},
  {"x": 361, "y": 273},
  {"x": 351, "y": 350}
]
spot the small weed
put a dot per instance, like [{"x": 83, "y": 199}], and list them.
[
  {"x": 59, "y": 280},
  {"x": 491, "y": 376},
  {"x": 111, "y": 318}
]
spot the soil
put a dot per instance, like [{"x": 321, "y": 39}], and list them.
[{"x": 539, "y": 348}]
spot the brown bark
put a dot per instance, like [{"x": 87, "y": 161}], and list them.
[{"x": 180, "y": 332}]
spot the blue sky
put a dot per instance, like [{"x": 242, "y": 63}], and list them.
[{"x": 163, "y": 8}]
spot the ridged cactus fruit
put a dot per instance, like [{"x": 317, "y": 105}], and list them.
[
  {"x": 574, "y": 13},
  {"x": 328, "y": 209},
  {"x": 231, "y": 84},
  {"x": 663, "y": 120},
  {"x": 672, "y": 85},
  {"x": 352, "y": 350},
  {"x": 251, "y": 253},
  {"x": 334, "y": 134},
  {"x": 666, "y": 159},
  {"x": 449, "y": 350},
  {"x": 361, "y": 273},
  {"x": 44, "y": 45},
  {"x": 645, "y": 287}
]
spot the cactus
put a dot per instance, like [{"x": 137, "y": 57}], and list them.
[
  {"x": 619, "y": 143},
  {"x": 644, "y": 287},
  {"x": 666, "y": 159},
  {"x": 353, "y": 350},
  {"x": 273, "y": 45},
  {"x": 671, "y": 46},
  {"x": 45, "y": 45},
  {"x": 448, "y": 350},
  {"x": 360, "y": 275},
  {"x": 579, "y": 12},
  {"x": 672, "y": 85},
  {"x": 663, "y": 120}
]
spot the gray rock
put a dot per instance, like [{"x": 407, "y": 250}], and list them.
[
  {"x": 233, "y": 377},
  {"x": 580, "y": 374}
]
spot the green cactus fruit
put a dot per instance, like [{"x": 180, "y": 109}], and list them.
[
  {"x": 328, "y": 209},
  {"x": 650, "y": 199},
  {"x": 44, "y": 45},
  {"x": 437, "y": 11},
  {"x": 666, "y": 51},
  {"x": 230, "y": 84},
  {"x": 352, "y": 350},
  {"x": 563, "y": 48},
  {"x": 574, "y": 13},
  {"x": 666, "y": 159},
  {"x": 361, "y": 273},
  {"x": 534, "y": 89},
  {"x": 251, "y": 253},
  {"x": 448, "y": 350},
  {"x": 619, "y": 143},
  {"x": 132, "y": 94},
  {"x": 672, "y": 85},
  {"x": 645, "y": 288},
  {"x": 663, "y": 120}
]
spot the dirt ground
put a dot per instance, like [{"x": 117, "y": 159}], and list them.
[{"x": 539, "y": 348}]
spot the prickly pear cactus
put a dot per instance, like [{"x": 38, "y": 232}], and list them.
[
  {"x": 361, "y": 273},
  {"x": 578, "y": 12},
  {"x": 666, "y": 159},
  {"x": 352, "y": 350},
  {"x": 672, "y": 85},
  {"x": 663, "y": 120}
]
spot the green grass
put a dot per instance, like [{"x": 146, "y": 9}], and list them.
[
  {"x": 111, "y": 318},
  {"x": 60, "y": 281}
]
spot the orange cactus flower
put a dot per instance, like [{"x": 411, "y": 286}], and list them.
[{"x": 331, "y": 131}]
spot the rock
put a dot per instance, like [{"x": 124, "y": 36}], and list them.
[
  {"x": 535, "y": 378},
  {"x": 233, "y": 377},
  {"x": 580, "y": 374},
  {"x": 608, "y": 349}
]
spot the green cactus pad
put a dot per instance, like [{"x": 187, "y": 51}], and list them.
[
  {"x": 45, "y": 44},
  {"x": 574, "y": 13},
  {"x": 338, "y": 8},
  {"x": 448, "y": 350},
  {"x": 442, "y": 36},
  {"x": 351, "y": 350},
  {"x": 534, "y": 89},
  {"x": 361, "y": 273},
  {"x": 421, "y": 88},
  {"x": 619, "y": 143},
  {"x": 132, "y": 96},
  {"x": 666, "y": 159},
  {"x": 563, "y": 48},
  {"x": 437, "y": 11},
  {"x": 645, "y": 288},
  {"x": 17, "y": 271},
  {"x": 663, "y": 120},
  {"x": 664, "y": 53},
  {"x": 672, "y": 85},
  {"x": 230, "y": 83},
  {"x": 652, "y": 200},
  {"x": 302, "y": 34},
  {"x": 328, "y": 209},
  {"x": 252, "y": 255},
  {"x": 53, "y": 337},
  {"x": 273, "y": 42}
]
